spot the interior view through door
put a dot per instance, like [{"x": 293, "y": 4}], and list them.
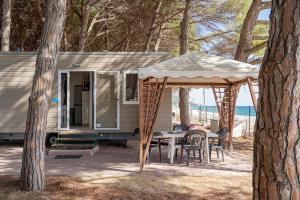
[
  {"x": 81, "y": 107},
  {"x": 76, "y": 100},
  {"x": 81, "y": 101}
]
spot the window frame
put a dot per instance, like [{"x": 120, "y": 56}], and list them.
[{"x": 124, "y": 87}]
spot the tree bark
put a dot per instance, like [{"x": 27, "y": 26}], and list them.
[
  {"x": 247, "y": 32},
  {"x": 6, "y": 21},
  {"x": 33, "y": 164},
  {"x": 84, "y": 26},
  {"x": 153, "y": 26},
  {"x": 276, "y": 167},
  {"x": 183, "y": 39}
]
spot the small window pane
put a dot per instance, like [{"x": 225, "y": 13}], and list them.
[{"x": 131, "y": 87}]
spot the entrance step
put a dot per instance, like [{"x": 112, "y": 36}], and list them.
[
  {"x": 74, "y": 144},
  {"x": 69, "y": 139},
  {"x": 83, "y": 152},
  {"x": 76, "y": 135}
]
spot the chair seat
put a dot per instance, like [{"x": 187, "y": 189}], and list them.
[{"x": 191, "y": 147}]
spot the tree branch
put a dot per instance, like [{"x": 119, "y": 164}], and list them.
[
  {"x": 260, "y": 37},
  {"x": 256, "y": 61},
  {"x": 257, "y": 48},
  {"x": 212, "y": 35},
  {"x": 262, "y": 22}
]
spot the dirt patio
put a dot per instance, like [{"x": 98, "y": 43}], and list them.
[{"x": 116, "y": 169}]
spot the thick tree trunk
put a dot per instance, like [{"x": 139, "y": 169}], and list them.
[
  {"x": 6, "y": 21},
  {"x": 33, "y": 165},
  {"x": 84, "y": 26},
  {"x": 247, "y": 31},
  {"x": 276, "y": 167},
  {"x": 183, "y": 39},
  {"x": 153, "y": 26}
]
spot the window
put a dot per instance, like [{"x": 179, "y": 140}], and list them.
[{"x": 130, "y": 89}]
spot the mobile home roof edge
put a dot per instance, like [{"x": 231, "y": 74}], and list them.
[{"x": 30, "y": 53}]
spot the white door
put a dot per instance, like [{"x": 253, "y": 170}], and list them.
[
  {"x": 63, "y": 100},
  {"x": 106, "y": 101}
]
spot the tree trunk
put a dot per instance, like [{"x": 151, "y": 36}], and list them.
[
  {"x": 106, "y": 39},
  {"x": 159, "y": 36},
  {"x": 247, "y": 31},
  {"x": 6, "y": 21},
  {"x": 183, "y": 39},
  {"x": 153, "y": 26},
  {"x": 84, "y": 26},
  {"x": 276, "y": 167},
  {"x": 184, "y": 106},
  {"x": 33, "y": 165}
]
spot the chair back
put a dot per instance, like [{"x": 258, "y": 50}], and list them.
[
  {"x": 181, "y": 127},
  {"x": 194, "y": 138},
  {"x": 222, "y": 135}
]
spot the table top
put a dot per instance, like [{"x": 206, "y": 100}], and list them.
[
  {"x": 169, "y": 134},
  {"x": 212, "y": 135}
]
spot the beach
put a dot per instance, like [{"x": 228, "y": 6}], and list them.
[{"x": 204, "y": 118}]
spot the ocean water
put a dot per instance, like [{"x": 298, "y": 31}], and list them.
[{"x": 239, "y": 110}]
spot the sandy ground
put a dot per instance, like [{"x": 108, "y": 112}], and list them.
[
  {"x": 133, "y": 187},
  {"x": 113, "y": 174}
]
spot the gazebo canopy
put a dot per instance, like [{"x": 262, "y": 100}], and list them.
[{"x": 201, "y": 69}]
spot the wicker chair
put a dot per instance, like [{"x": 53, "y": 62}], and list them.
[
  {"x": 193, "y": 141},
  {"x": 219, "y": 146}
]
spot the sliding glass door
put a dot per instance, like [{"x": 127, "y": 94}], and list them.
[
  {"x": 106, "y": 98},
  {"x": 63, "y": 100}
]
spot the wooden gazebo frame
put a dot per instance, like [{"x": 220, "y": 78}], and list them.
[
  {"x": 150, "y": 94},
  {"x": 224, "y": 79}
]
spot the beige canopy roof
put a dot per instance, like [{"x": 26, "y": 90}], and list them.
[{"x": 200, "y": 68}]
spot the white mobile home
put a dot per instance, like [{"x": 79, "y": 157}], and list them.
[{"x": 92, "y": 92}]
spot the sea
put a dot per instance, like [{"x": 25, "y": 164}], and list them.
[{"x": 239, "y": 110}]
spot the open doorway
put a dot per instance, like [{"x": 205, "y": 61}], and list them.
[
  {"x": 81, "y": 104},
  {"x": 88, "y": 100}
]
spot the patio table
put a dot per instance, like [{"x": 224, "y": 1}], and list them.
[{"x": 172, "y": 135}]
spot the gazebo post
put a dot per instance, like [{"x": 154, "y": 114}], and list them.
[
  {"x": 253, "y": 96},
  {"x": 225, "y": 98},
  {"x": 220, "y": 110},
  {"x": 141, "y": 123}
]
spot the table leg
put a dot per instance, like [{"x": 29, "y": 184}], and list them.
[
  {"x": 206, "y": 149},
  {"x": 172, "y": 149}
]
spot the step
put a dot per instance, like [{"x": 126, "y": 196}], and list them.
[
  {"x": 83, "y": 152},
  {"x": 77, "y": 139},
  {"x": 77, "y": 135},
  {"x": 72, "y": 146}
]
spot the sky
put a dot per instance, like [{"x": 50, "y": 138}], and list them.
[{"x": 244, "y": 98}]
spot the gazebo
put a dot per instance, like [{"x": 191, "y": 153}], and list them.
[{"x": 197, "y": 69}]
